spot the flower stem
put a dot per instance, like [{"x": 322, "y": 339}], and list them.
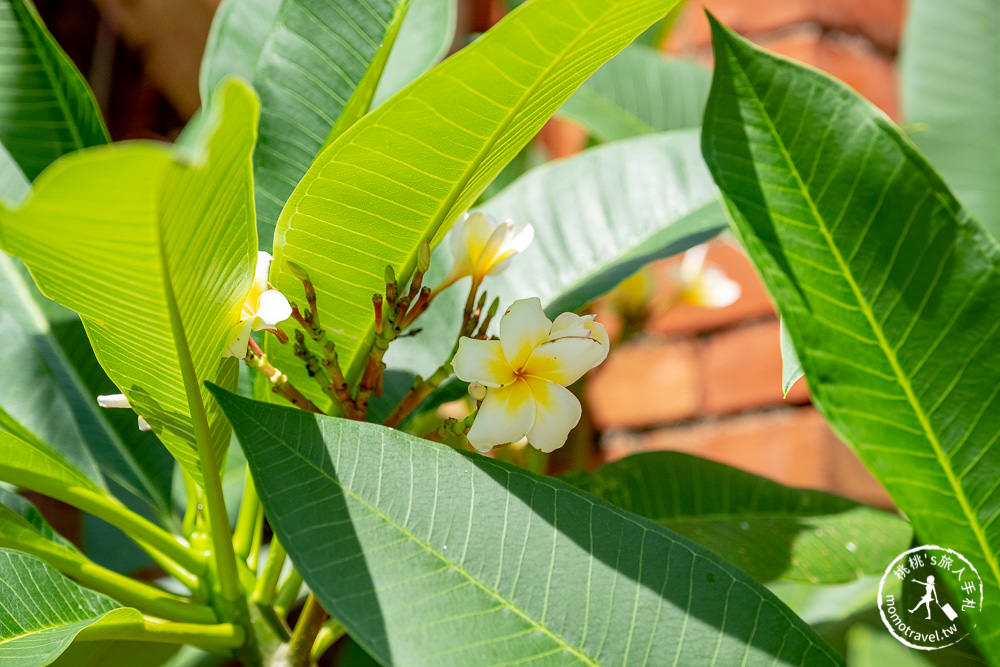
[
  {"x": 267, "y": 583},
  {"x": 304, "y": 635},
  {"x": 280, "y": 385},
  {"x": 119, "y": 627},
  {"x": 287, "y": 593}
]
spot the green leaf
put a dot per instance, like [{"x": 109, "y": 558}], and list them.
[
  {"x": 20, "y": 511},
  {"x": 432, "y": 556},
  {"x": 41, "y": 611},
  {"x": 791, "y": 368},
  {"x": 53, "y": 380},
  {"x": 427, "y": 33},
  {"x": 13, "y": 183},
  {"x": 598, "y": 217},
  {"x": 305, "y": 58},
  {"x": 950, "y": 76},
  {"x": 154, "y": 248},
  {"x": 46, "y": 108},
  {"x": 885, "y": 285},
  {"x": 640, "y": 91},
  {"x": 405, "y": 172},
  {"x": 768, "y": 530}
]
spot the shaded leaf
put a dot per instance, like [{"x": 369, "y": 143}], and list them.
[
  {"x": 46, "y": 108},
  {"x": 305, "y": 59},
  {"x": 640, "y": 91},
  {"x": 428, "y": 30},
  {"x": 791, "y": 368},
  {"x": 888, "y": 289},
  {"x": 768, "y": 530},
  {"x": 154, "y": 247},
  {"x": 454, "y": 559},
  {"x": 950, "y": 78}
]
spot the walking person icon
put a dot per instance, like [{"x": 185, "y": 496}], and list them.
[{"x": 930, "y": 593}]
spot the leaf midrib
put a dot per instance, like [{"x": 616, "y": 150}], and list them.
[
  {"x": 887, "y": 350},
  {"x": 447, "y": 204}
]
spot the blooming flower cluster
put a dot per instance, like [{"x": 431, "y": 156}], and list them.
[
  {"x": 263, "y": 309},
  {"x": 525, "y": 374}
]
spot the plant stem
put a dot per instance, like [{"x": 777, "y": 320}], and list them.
[
  {"x": 255, "y": 542},
  {"x": 115, "y": 627},
  {"x": 287, "y": 593},
  {"x": 306, "y": 629},
  {"x": 215, "y": 503},
  {"x": 328, "y": 634},
  {"x": 280, "y": 385},
  {"x": 193, "y": 501},
  {"x": 247, "y": 518},
  {"x": 267, "y": 582}
]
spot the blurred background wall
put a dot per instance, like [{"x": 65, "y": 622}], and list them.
[{"x": 702, "y": 381}]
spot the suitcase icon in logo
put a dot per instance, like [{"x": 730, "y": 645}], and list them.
[{"x": 949, "y": 612}]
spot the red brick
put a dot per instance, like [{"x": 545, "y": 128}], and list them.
[
  {"x": 741, "y": 369},
  {"x": 563, "y": 138},
  {"x": 682, "y": 318},
  {"x": 792, "y": 446},
  {"x": 880, "y": 21},
  {"x": 644, "y": 383}
]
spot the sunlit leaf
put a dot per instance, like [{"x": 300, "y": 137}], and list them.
[
  {"x": 887, "y": 286},
  {"x": 305, "y": 59},
  {"x": 154, "y": 247},
  {"x": 405, "y": 172}
]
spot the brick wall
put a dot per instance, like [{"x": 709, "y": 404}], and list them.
[{"x": 708, "y": 381}]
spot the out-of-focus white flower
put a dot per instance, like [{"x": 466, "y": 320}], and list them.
[
  {"x": 481, "y": 247},
  {"x": 704, "y": 284},
  {"x": 121, "y": 401},
  {"x": 526, "y": 373},
  {"x": 263, "y": 309}
]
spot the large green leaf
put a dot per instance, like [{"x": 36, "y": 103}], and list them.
[
  {"x": 950, "y": 74},
  {"x": 769, "y": 530},
  {"x": 405, "y": 172},
  {"x": 41, "y": 611},
  {"x": 427, "y": 33},
  {"x": 887, "y": 286},
  {"x": 46, "y": 109},
  {"x": 640, "y": 91},
  {"x": 155, "y": 249},
  {"x": 305, "y": 58},
  {"x": 13, "y": 183},
  {"x": 431, "y": 556},
  {"x": 598, "y": 217}
]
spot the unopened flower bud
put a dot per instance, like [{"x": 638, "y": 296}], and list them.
[
  {"x": 477, "y": 391},
  {"x": 113, "y": 401},
  {"x": 424, "y": 256}
]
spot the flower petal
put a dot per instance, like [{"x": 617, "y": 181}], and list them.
[
  {"x": 476, "y": 232},
  {"x": 692, "y": 263},
  {"x": 113, "y": 401},
  {"x": 260, "y": 273},
  {"x": 713, "y": 289},
  {"x": 516, "y": 242},
  {"x": 557, "y": 411},
  {"x": 272, "y": 308},
  {"x": 565, "y": 360},
  {"x": 482, "y": 361},
  {"x": 506, "y": 415},
  {"x": 240, "y": 339},
  {"x": 143, "y": 424},
  {"x": 523, "y": 327}
]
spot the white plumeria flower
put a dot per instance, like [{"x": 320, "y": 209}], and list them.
[
  {"x": 526, "y": 373},
  {"x": 481, "y": 247},
  {"x": 704, "y": 284},
  {"x": 263, "y": 309},
  {"x": 121, "y": 401}
]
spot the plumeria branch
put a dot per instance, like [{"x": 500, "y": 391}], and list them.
[{"x": 257, "y": 360}]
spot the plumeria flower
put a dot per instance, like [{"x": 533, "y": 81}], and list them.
[
  {"x": 481, "y": 247},
  {"x": 704, "y": 284},
  {"x": 120, "y": 401},
  {"x": 264, "y": 309},
  {"x": 526, "y": 373}
]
